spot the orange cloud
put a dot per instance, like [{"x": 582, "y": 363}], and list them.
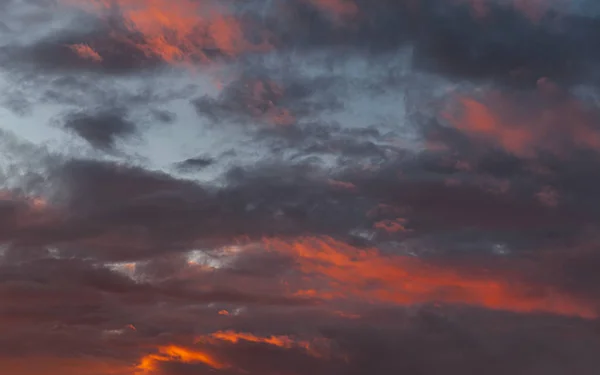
[
  {"x": 150, "y": 364},
  {"x": 86, "y": 52},
  {"x": 177, "y": 31},
  {"x": 171, "y": 353},
  {"x": 341, "y": 271},
  {"x": 480, "y": 121},
  {"x": 286, "y": 342},
  {"x": 235, "y": 337},
  {"x": 523, "y": 125}
]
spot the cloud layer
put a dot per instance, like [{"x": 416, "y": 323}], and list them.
[{"x": 299, "y": 187}]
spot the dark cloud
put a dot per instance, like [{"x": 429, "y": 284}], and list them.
[
  {"x": 164, "y": 116},
  {"x": 434, "y": 192},
  {"x": 253, "y": 98},
  {"x": 192, "y": 164},
  {"x": 18, "y": 103},
  {"x": 102, "y": 129},
  {"x": 410, "y": 188},
  {"x": 474, "y": 349},
  {"x": 505, "y": 44},
  {"x": 138, "y": 213},
  {"x": 321, "y": 139},
  {"x": 84, "y": 51},
  {"x": 159, "y": 212}
]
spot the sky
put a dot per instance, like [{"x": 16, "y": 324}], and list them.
[{"x": 299, "y": 187}]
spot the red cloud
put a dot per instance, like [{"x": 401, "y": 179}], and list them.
[
  {"x": 526, "y": 124},
  {"x": 177, "y": 31},
  {"x": 341, "y": 271}
]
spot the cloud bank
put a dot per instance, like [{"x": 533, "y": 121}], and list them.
[{"x": 299, "y": 187}]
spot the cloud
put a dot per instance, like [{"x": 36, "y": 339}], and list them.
[
  {"x": 300, "y": 187},
  {"x": 251, "y": 98},
  {"x": 447, "y": 37},
  {"x": 86, "y": 52},
  {"x": 78, "y": 50},
  {"x": 367, "y": 273},
  {"x": 530, "y": 123},
  {"x": 121, "y": 37},
  {"x": 178, "y": 354},
  {"x": 101, "y": 130},
  {"x": 192, "y": 164}
]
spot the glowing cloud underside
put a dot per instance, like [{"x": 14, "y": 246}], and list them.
[
  {"x": 341, "y": 271},
  {"x": 179, "y": 31}
]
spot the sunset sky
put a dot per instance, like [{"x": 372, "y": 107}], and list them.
[{"x": 299, "y": 187}]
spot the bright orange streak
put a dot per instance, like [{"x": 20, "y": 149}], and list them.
[
  {"x": 173, "y": 353},
  {"x": 279, "y": 341},
  {"x": 343, "y": 271},
  {"x": 234, "y": 337}
]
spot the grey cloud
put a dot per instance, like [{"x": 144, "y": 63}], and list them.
[
  {"x": 102, "y": 129},
  {"x": 505, "y": 46},
  {"x": 197, "y": 163},
  {"x": 257, "y": 98}
]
